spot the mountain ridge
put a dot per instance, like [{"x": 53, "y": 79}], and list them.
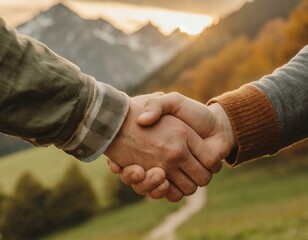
[
  {"x": 99, "y": 48},
  {"x": 214, "y": 38}
]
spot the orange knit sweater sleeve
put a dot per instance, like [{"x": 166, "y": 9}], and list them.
[{"x": 254, "y": 121}]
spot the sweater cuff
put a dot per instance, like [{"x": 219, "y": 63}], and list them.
[{"x": 254, "y": 121}]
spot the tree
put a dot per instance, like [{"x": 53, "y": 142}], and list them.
[
  {"x": 24, "y": 215},
  {"x": 118, "y": 193},
  {"x": 296, "y": 32},
  {"x": 72, "y": 200}
]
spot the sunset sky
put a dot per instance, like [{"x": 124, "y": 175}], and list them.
[{"x": 127, "y": 17}]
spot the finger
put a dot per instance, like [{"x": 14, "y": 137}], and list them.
[
  {"x": 203, "y": 153},
  {"x": 213, "y": 159},
  {"x": 193, "y": 166},
  {"x": 115, "y": 168},
  {"x": 153, "y": 179},
  {"x": 161, "y": 191},
  {"x": 154, "y": 108},
  {"x": 183, "y": 182},
  {"x": 174, "y": 194},
  {"x": 193, "y": 113},
  {"x": 197, "y": 172},
  {"x": 137, "y": 191},
  {"x": 132, "y": 174}
]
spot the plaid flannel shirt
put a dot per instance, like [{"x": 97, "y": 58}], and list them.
[{"x": 45, "y": 99}]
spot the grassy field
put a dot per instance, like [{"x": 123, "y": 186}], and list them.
[
  {"x": 48, "y": 165},
  {"x": 129, "y": 223},
  {"x": 255, "y": 202}
]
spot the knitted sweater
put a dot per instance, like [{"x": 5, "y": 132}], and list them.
[{"x": 269, "y": 114}]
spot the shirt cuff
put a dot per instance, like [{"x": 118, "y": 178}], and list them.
[
  {"x": 254, "y": 121},
  {"x": 101, "y": 123}
]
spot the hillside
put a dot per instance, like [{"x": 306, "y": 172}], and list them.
[
  {"x": 256, "y": 202},
  {"x": 48, "y": 165},
  {"x": 11, "y": 144},
  {"x": 250, "y": 202},
  {"x": 248, "y": 21}
]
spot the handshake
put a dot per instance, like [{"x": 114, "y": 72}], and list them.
[{"x": 170, "y": 144}]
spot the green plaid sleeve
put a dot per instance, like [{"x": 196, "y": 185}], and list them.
[
  {"x": 102, "y": 122},
  {"x": 45, "y": 99}
]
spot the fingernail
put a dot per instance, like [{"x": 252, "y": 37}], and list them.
[
  {"x": 155, "y": 178},
  {"x": 134, "y": 176},
  {"x": 145, "y": 115},
  {"x": 161, "y": 187}
]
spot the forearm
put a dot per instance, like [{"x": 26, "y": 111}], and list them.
[
  {"x": 287, "y": 90},
  {"x": 271, "y": 113},
  {"x": 45, "y": 99}
]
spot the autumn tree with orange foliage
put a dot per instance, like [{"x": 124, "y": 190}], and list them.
[{"x": 242, "y": 61}]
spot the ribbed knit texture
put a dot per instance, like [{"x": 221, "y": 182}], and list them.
[{"x": 254, "y": 121}]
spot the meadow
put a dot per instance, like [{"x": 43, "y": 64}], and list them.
[
  {"x": 266, "y": 199},
  {"x": 261, "y": 200},
  {"x": 48, "y": 165}
]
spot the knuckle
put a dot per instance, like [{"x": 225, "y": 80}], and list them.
[
  {"x": 177, "y": 152},
  {"x": 149, "y": 102},
  {"x": 159, "y": 93},
  {"x": 214, "y": 164},
  {"x": 191, "y": 190},
  {"x": 176, "y": 95},
  {"x": 175, "y": 198},
  {"x": 217, "y": 167},
  {"x": 158, "y": 193},
  {"x": 206, "y": 179}
]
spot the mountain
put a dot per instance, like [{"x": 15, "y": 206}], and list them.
[
  {"x": 100, "y": 49},
  {"x": 247, "y": 21}
]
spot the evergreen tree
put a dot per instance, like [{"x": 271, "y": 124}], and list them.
[
  {"x": 72, "y": 200},
  {"x": 117, "y": 192},
  {"x": 24, "y": 216}
]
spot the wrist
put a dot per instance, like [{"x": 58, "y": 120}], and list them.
[{"x": 224, "y": 126}]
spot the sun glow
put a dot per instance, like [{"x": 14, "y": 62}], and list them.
[
  {"x": 131, "y": 17},
  {"x": 126, "y": 17}
]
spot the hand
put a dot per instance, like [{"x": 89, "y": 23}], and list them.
[
  {"x": 152, "y": 182},
  {"x": 211, "y": 123},
  {"x": 169, "y": 144}
]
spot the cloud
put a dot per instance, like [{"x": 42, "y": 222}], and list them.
[{"x": 209, "y": 7}]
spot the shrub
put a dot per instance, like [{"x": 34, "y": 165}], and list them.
[
  {"x": 72, "y": 200},
  {"x": 24, "y": 214},
  {"x": 117, "y": 192}
]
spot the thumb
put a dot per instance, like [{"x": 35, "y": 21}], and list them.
[
  {"x": 156, "y": 107},
  {"x": 151, "y": 113}
]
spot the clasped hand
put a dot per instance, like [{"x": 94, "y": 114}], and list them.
[{"x": 170, "y": 144}]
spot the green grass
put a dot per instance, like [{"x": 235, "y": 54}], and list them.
[
  {"x": 254, "y": 202},
  {"x": 128, "y": 223},
  {"x": 48, "y": 165}
]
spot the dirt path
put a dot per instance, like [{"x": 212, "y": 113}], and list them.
[{"x": 166, "y": 230}]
